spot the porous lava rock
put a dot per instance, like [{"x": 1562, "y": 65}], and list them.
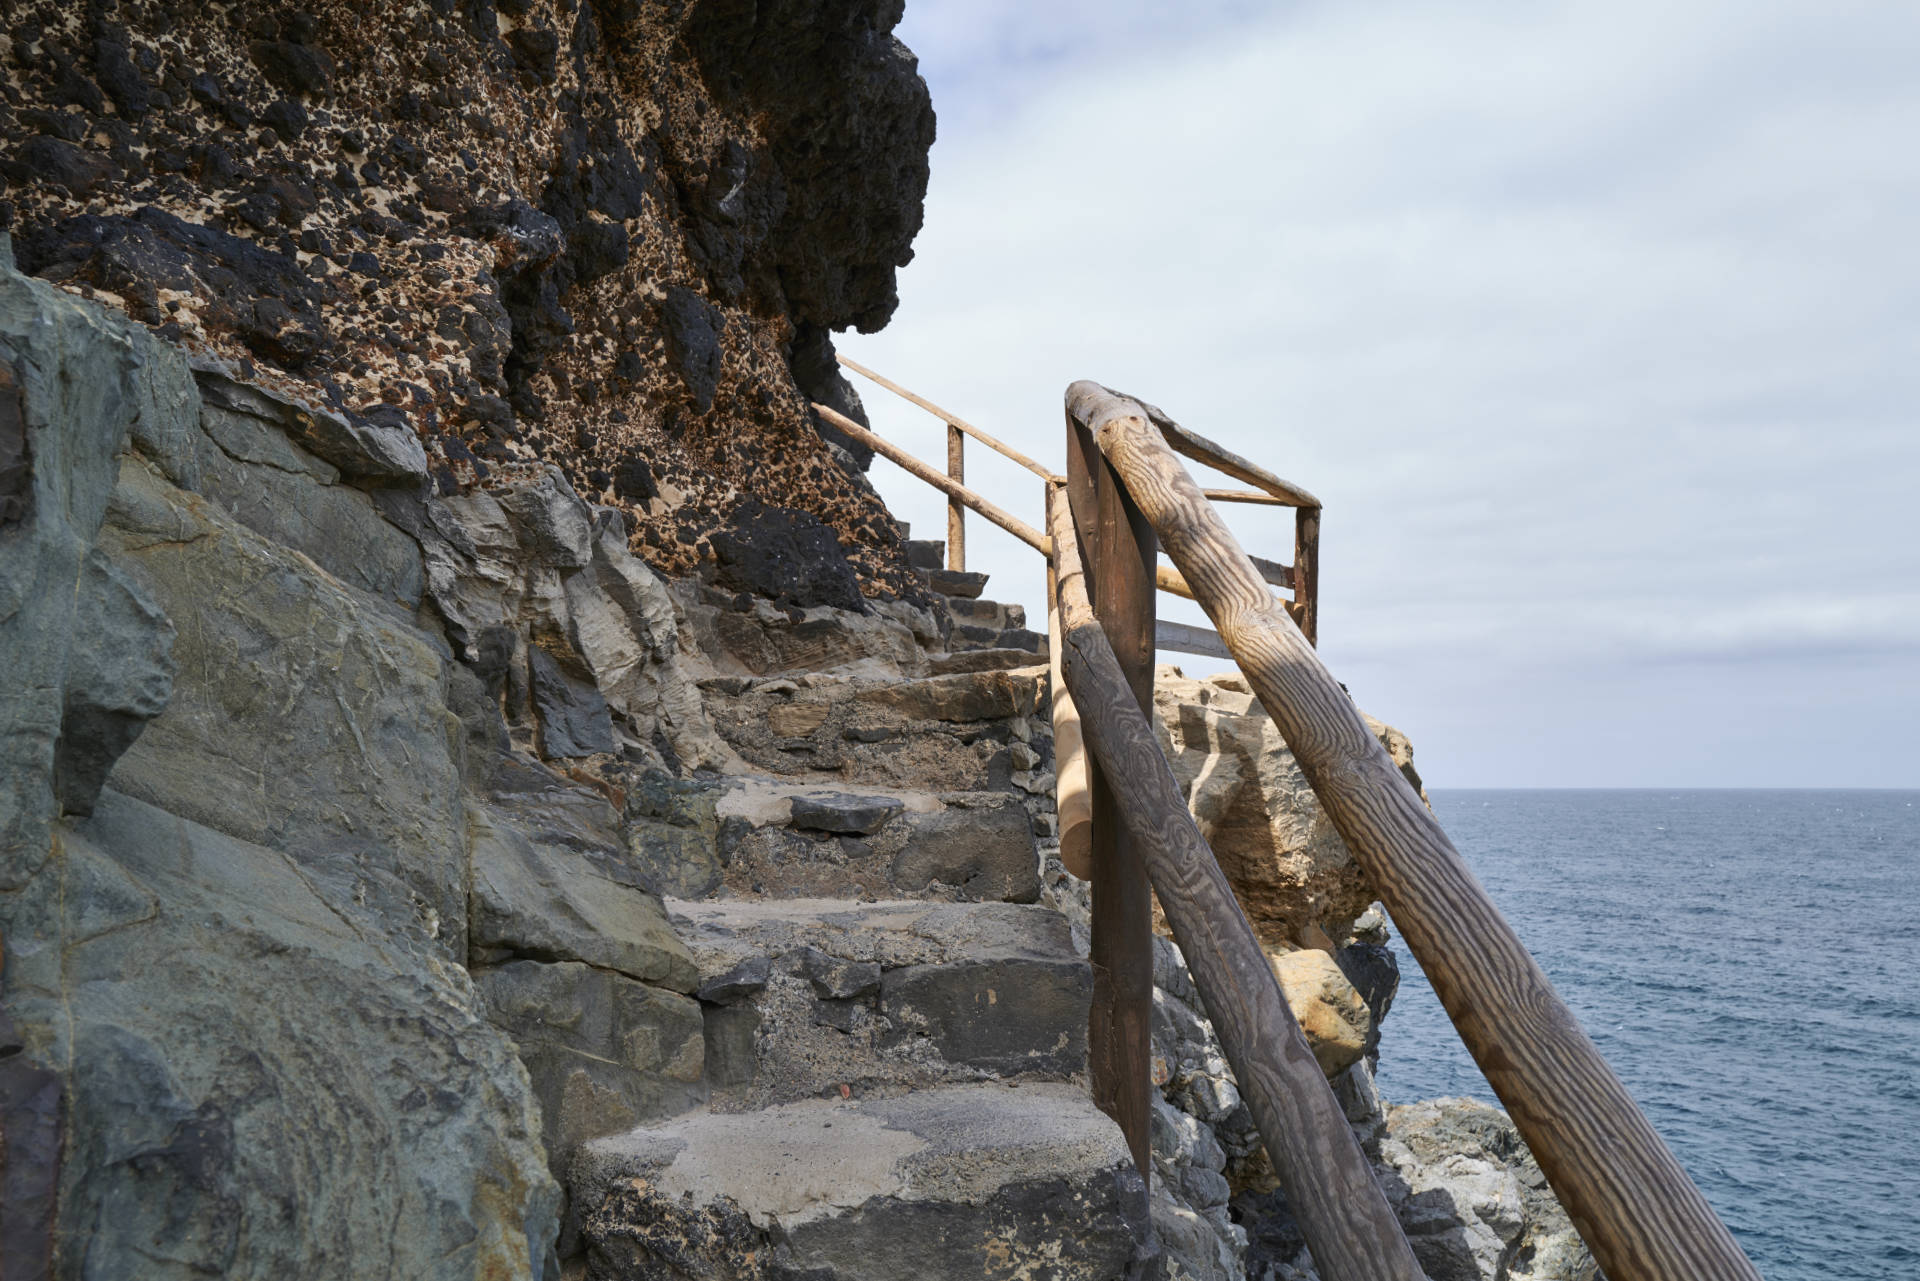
[{"x": 607, "y": 236}]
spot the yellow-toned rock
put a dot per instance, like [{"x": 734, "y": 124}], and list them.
[
  {"x": 1336, "y": 1021},
  {"x": 1285, "y": 860}
]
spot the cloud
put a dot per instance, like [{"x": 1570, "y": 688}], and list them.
[{"x": 1593, "y": 324}]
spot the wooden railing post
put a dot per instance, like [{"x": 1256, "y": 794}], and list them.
[
  {"x": 956, "y": 510},
  {"x": 1121, "y": 556},
  {"x": 1306, "y": 572}
]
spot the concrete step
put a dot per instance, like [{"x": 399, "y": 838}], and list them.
[
  {"x": 987, "y": 613},
  {"x": 804, "y": 997},
  {"x": 963, "y": 1182}
]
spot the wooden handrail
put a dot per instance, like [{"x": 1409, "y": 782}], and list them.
[
  {"x": 951, "y": 420},
  {"x": 1329, "y": 1187},
  {"x": 1246, "y": 496},
  {"x": 952, "y": 489},
  {"x": 1222, "y": 459},
  {"x": 1634, "y": 1205}
]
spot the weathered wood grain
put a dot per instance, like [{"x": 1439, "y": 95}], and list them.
[
  {"x": 1073, "y": 790},
  {"x": 1245, "y": 496},
  {"x": 1120, "y": 1024},
  {"x": 1183, "y": 639},
  {"x": 1306, "y": 572},
  {"x": 1345, "y": 1218},
  {"x": 952, "y": 489},
  {"x": 1219, "y": 457},
  {"x": 1629, "y": 1198},
  {"x": 951, "y": 420},
  {"x": 956, "y": 509}
]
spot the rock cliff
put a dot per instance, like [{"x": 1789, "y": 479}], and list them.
[
  {"x": 607, "y": 236},
  {"x": 454, "y": 823}
]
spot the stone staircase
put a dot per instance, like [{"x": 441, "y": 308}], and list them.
[
  {"x": 894, "y": 1026},
  {"x": 978, "y": 624}
]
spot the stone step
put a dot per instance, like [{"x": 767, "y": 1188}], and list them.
[
  {"x": 927, "y": 553},
  {"x": 987, "y": 613},
  {"x": 955, "y": 582},
  {"x": 967, "y": 727},
  {"x": 965, "y": 636},
  {"x": 805, "y": 997},
  {"x": 982, "y": 660},
  {"x": 963, "y": 1182},
  {"x": 847, "y": 842}
]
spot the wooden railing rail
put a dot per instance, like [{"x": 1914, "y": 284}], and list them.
[
  {"x": 1301, "y": 577},
  {"x": 1628, "y": 1196},
  {"x": 953, "y": 489},
  {"x": 958, "y": 429}
]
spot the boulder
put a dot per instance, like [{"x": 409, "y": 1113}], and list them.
[
  {"x": 1336, "y": 1021},
  {"x": 1287, "y": 863},
  {"x": 1473, "y": 1200},
  {"x": 844, "y": 813}
]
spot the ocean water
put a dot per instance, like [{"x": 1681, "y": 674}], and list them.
[{"x": 1749, "y": 962}]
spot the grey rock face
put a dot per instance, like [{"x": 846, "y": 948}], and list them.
[
  {"x": 117, "y": 680},
  {"x": 74, "y": 381},
  {"x": 365, "y": 446},
  {"x": 962, "y": 1182},
  {"x": 265, "y": 1078},
  {"x": 576, "y": 637},
  {"x": 238, "y": 979},
  {"x": 604, "y": 1052},
  {"x": 573, "y": 716},
  {"x": 535, "y": 900},
  {"x": 302, "y": 711},
  {"x": 245, "y": 461}
]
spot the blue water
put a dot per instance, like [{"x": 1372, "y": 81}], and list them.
[{"x": 1749, "y": 963}]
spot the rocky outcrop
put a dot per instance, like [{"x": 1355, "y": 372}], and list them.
[
  {"x": 496, "y": 235},
  {"x": 235, "y": 903},
  {"x": 1282, "y": 854},
  {"x": 1469, "y": 1195}
]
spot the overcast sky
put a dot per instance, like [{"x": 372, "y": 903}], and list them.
[{"x": 1596, "y": 326}]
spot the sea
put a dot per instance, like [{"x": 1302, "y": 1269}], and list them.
[{"x": 1749, "y": 963}]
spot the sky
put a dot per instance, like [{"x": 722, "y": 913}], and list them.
[{"x": 1595, "y": 326}]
